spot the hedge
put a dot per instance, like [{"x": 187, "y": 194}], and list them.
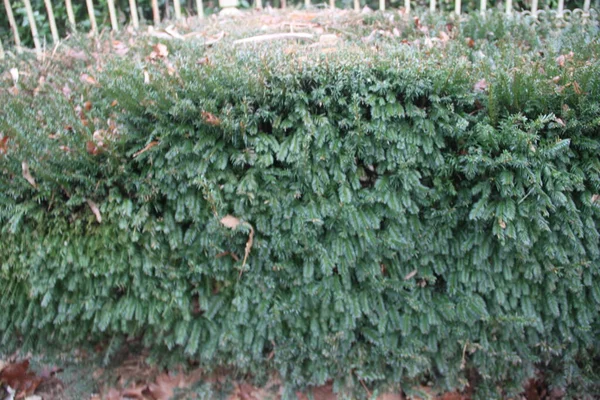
[{"x": 389, "y": 214}]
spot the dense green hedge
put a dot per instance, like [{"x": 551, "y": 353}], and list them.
[{"x": 407, "y": 225}]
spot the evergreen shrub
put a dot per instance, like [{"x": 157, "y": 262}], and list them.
[{"x": 387, "y": 214}]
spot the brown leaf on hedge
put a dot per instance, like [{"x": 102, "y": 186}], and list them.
[
  {"x": 410, "y": 275},
  {"x": 95, "y": 210},
  {"x": 595, "y": 198},
  {"x": 210, "y": 118},
  {"x": 4, "y": 145},
  {"x": 230, "y": 221},
  {"x": 90, "y": 80},
  {"x": 27, "y": 175},
  {"x": 560, "y": 60},
  {"x": 91, "y": 148},
  {"x": 145, "y": 149},
  {"x": 470, "y": 42},
  {"x": 577, "y": 88},
  {"x": 87, "y": 105},
  {"x": 159, "y": 50},
  {"x": 481, "y": 86}
]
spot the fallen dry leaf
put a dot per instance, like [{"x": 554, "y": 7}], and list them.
[
  {"x": 501, "y": 223},
  {"x": 95, "y": 210},
  {"x": 87, "y": 105},
  {"x": 18, "y": 377},
  {"x": 577, "y": 88},
  {"x": 560, "y": 60},
  {"x": 27, "y": 174},
  {"x": 159, "y": 50},
  {"x": 91, "y": 148},
  {"x": 470, "y": 42}
]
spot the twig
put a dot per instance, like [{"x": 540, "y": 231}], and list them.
[{"x": 274, "y": 36}]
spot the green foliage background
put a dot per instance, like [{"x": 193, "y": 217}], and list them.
[{"x": 407, "y": 227}]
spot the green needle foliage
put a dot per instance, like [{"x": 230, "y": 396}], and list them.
[{"x": 411, "y": 213}]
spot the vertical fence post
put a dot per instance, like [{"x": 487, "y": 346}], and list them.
[
  {"x": 407, "y": 7},
  {"x": 283, "y": 4},
  {"x": 306, "y": 3},
  {"x": 432, "y": 6},
  {"x": 357, "y": 5},
  {"x": 155, "y": 12},
  {"x": 509, "y": 7},
  {"x": 52, "y": 21},
  {"x": 134, "y": 15},
  {"x": 200, "y": 8},
  {"x": 258, "y": 5},
  {"x": 34, "y": 31},
  {"x": 332, "y": 4},
  {"x": 113, "y": 15},
  {"x": 586, "y": 5},
  {"x": 177, "y": 7},
  {"x": 457, "y": 7},
  {"x": 1, "y": 50},
  {"x": 382, "y": 5},
  {"x": 13, "y": 25},
  {"x": 483, "y": 6},
  {"x": 561, "y": 8},
  {"x": 534, "y": 7},
  {"x": 70, "y": 14},
  {"x": 90, "y": 8}
]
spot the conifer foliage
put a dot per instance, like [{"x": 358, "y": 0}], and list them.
[{"x": 369, "y": 215}]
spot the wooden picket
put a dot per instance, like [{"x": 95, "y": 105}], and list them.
[
  {"x": 33, "y": 26},
  {"x": 52, "y": 21},
  {"x": 70, "y": 14},
  {"x": 113, "y": 15},
  {"x": 200, "y": 8},
  {"x": 13, "y": 25},
  {"x": 134, "y": 15},
  {"x": 92, "y": 15}
]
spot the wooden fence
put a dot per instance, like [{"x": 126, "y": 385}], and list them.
[{"x": 134, "y": 18}]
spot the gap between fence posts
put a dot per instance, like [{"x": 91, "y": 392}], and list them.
[
  {"x": 90, "y": 8},
  {"x": 155, "y": 12},
  {"x": 13, "y": 25},
  {"x": 70, "y": 14},
  {"x": 200, "y": 8},
  {"x": 113, "y": 15},
  {"x": 34, "y": 31},
  {"x": 134, "y": 15}
]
